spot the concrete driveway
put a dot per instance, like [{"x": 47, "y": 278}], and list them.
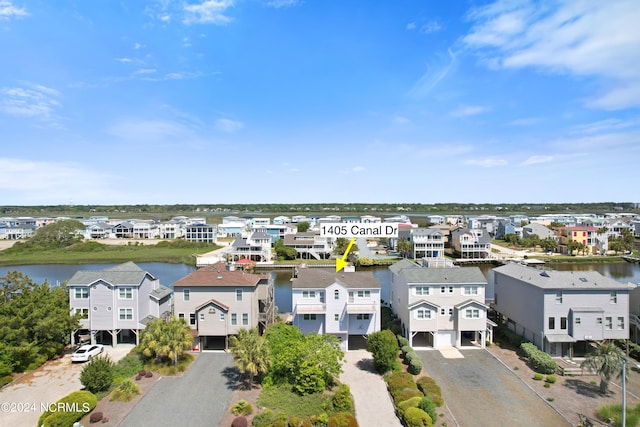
[
  {"x": 47, "y": 384},
  {"x": 198, "y": 398},
  {"x": 480, "y": 391}
]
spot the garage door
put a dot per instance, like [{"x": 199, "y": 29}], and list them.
[{"x": 446, "y": 339}]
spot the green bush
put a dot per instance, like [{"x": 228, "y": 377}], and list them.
[
  {"x": 428, "y": 406},
  {"x": 280, "y": 423},
  {"x": 413, "y": 402},
  {"x": 407, "y": 394},
  {"x": 410, "y": 356},
  {"x": 397, "y": 382},
  {"x": 406, "y": 349},
  {"x": 294, "y": 421},
  {"x": 415, "y": 366},
  {"x": 614, "y": 412},
  {"x": 539, "y": 361},
  {"x": 538, "y": 377},
  {"x": 402, "y": 341},
  {"x": 342, "y": 419},
  {"x": 242, "y": 407},
  {"x": 383, "y": 346},
  {"x": 551, "y": 379},
  {"x": 5, "y": 380},
  {"x": 263, "y": 419},
  {"x": 416, "y": 417},
  {"x": 342, "y": 400},
  {"x": 83, "y": 401},
  {"x": 125, "y": 391},
  {"x": 128, "y": 366},
  {"x": 97, "y": 374},
  {"x": 429, "y": 388}
]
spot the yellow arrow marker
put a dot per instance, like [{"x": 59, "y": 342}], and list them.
[{"x": 342, "y": 262}]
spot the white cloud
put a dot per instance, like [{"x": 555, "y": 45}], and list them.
[
  {"x": 208, "y": 12},
  {"x": 606, "y": 125},
  {"x": 124, "y": 60},
  {"x": 8, "y": 10},
  {"x": 31, "y": 101},
  {"x": 431, "y": 27},
  {"x": 145, "y": 71},
  {"x": 596, "y": 39},
  {"x": 470, "y": 110},
  {"x": 433, "y": 77},
  {"x": 228, "y": 125},
  {"x": 537, "y": 159},
  {"x": 138, "y": 46},
  {"x": 411, "y": 26},
  {"x": 489, "y": 162},
  {"x": 282, "y": 3}
]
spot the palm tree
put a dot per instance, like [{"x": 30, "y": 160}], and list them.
[
  {"x": 250, "y": 352},
  {"x": 166, "y": 338},
  {"x": 606, "y": 360},
  {"x": 404, "y": 246}
]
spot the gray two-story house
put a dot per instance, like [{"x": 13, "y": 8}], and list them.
[
  {"x": 218, "y": 300},
  {"x": 442, "y": 306},
  {"x": 116, "y": 303},
  {"x": 561, "y": 311}
]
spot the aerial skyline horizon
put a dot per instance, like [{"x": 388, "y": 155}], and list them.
[{"x": 175, "y": 102}]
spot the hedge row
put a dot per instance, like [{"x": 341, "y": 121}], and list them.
[
  {"x": 407, "y": 398},
  {"x": 69, "y": 409},
  {"x": 539, "y": 360},
  {"x": 411, "y": 359}
]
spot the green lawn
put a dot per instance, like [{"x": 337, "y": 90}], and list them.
[{"x": 282, "y": 399}]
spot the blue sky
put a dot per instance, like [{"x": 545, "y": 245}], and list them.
[{"x": 285, "y": 101}]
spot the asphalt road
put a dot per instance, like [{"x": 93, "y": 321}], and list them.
[
  {"x": 480, "y": 391},
  {"x": 198, "y": 398}
]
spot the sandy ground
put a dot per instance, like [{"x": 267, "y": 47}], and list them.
[{"x": 29, "y": 395}]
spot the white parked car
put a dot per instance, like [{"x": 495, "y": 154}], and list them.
[{"x": 86, "y": 352}]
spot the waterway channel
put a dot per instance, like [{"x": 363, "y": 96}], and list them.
[{"x": 169, "y": 273}]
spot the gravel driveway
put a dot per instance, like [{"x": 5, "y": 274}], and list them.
[
  {"x": 480, "y": 391},
  {"x": 198, "y": 398},
  {"x": 47, "y": 384}
]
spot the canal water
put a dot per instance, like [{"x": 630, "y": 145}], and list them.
[{"x": 169, "y": 273}]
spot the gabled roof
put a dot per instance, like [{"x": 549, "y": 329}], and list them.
[
  {"x": 552, "y": 279},
  {"x": 212, "y": 302},
  {"x": 123, "y": 274},
  {"x": 260, "y": 235},
  {"x": 397, "y": 267},
  {"x": 218, "y": 275},
  {"x": 160, "y": 292},
  {"x": 320, "y": 278},
  {"x": 437, "y": 276},
  {"x": 470, "y": 302},
  {"x": 422, "y": 302}
]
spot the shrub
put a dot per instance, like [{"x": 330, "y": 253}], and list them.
[
  {"x": 383, "y": 346},
  {"x": 142, "y": 372},
  {"x": 307, "y": 423},
  {"x": 125, "y": 391},
  {"x": 5, "y": 380},
  {"x": 97, "y": 375},
  {"x": 415, "y": 367},
  {"x": 138, "y": 377},
  {"x": 538, "y": 377},
  {"x": 402, "y": 341},
  {"x": 406, "y": 349},
  {"x": 428, "y": 406},
  {"x": 240, "y": 422},
  {"x": 242, "y": 407},
  {"x": 414, "y": 402},
  {"x": 429, "y": 387},
  {"x": 95, "y": 417},
  {"x": 263, "y": 419},
  {"x": 149, "y": 374},
  {"x": 342, "y": 419},
  {"x": 398, "y": 381},
  {"x": 551, "y": 379},
  {"x": 83, "y": 400},
  {"x": 294, "y": 421},
  {"x": 128, "y": 366},
  {"x": 342, "y": 400},
  {"x": 410, "y": 356},
  {"x": 407, "y": 394},
  {"x": 280, "y": 423},
  {"x": 416, "y": 417},
  {"x": 540, "y": 361}
]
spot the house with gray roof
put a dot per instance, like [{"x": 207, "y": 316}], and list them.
[
  {"x": 442, "y": 306},
  {"x": 426, "y": 243},
  {"x": 561, "y": 311},
  {"x": 256, "y": 247},
  {"x": 116, "y": 303},
  {"x": 345, "y": 304}
]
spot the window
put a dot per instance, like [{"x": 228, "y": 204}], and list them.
[
  {"x": 450, "y": 289},
  {"x": 201, "y": 317},
  {"x": 245, "y": 319},
  {"x": 308, "y": 294},
  {"x": 613, "y": 297},
  {"x": 321, "y": 295},
  {"x": 620, "y": 323},
  {"x": 125, "y": 314},
  {"x": 238, "y": 294},
  {"x": 599, "y": 321},
  {"x": 558, "y": 297},
  {"x": 309, "y": 317},
  {"x": 192, "y": 318},
  {"x": 422, "y": 290},
  {"x": 470, "y": 290},
  {"x": 84, "y": 312},
  {"x": 443, "y": 311},
  {"x": 443, "y": 289},
  {"x": 81, "y": 293},
  {"x": 125, "y": 293},
  {"x": 608, "y": 323},
  {"x": 186, "y": 294},
  {"x": 563, "y": 323},
  {"x": 364, "y": 316},
  {"x": 472, "y": 313},
  {"x": 180, "y": 315},
  {"x": 364, "y": 294},
  {"x": 423, "y": 313},
  {"x": 336, "y": 294},
  {"x": 451, "y": 312},
  {"x": 222, "y": 317},
  {"x": 578, "y": 321},
  {"x": 336, "y": 317},
  {"x": 552, "y": 322},
  {"x": 234, "y": 319}
]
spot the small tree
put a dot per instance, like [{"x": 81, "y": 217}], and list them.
[
  {"x": 607, "y": 361},
  {"x": 303, "y": 226},
  {"x": 403, "y": 246},
  {"x": 166, "y": 338},
  {"x": 97, "y": 375},
  {"x": 250, "y": 352},
  {"x": 383, "y": 345}
]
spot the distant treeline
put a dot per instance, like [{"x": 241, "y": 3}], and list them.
[{"x": 320, "y": 208}]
